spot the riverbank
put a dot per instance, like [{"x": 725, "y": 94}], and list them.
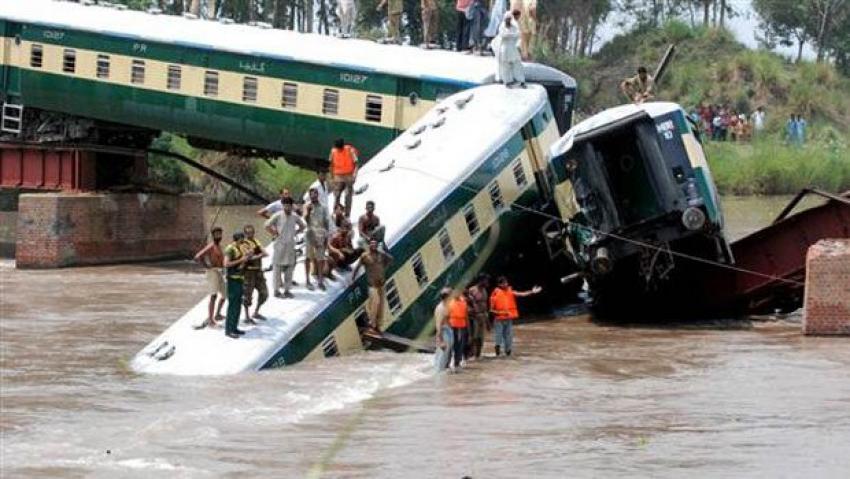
[{"x": 770, "y": 167}]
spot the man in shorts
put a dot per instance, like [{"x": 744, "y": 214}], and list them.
[
  {"x": 253, "y": 275},
  {"x": 211, "y": 257},
  {"x": 318, "y": 224}
]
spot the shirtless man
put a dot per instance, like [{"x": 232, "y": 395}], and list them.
[
  {"x": 368, "y": 226},
  {"x": 211, "y": 257},
  {"x": 375, "y": 262}
]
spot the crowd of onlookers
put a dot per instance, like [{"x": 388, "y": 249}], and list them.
[{"x": 723, "y": 123}]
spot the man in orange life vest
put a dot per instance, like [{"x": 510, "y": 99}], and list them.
[
  {"x": 504, "y": 309},
  {"x": 343, "y": 160},
  {"x": 459, "y": 322}
]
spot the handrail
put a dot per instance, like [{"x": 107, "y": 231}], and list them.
[{"x": 843, "y": 198}]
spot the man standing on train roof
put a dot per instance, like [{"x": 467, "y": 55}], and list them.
[
  {"x": 284, "y": 226},
  {"x": 394, "y": 10},
  {"x": 430, "y": 21},
  {"x": 234, "y": 263},
  {"x": 459, "y": 321},
  {"x": 369, "y": 226},
  {"x": 254, "y": 277},
  {"x": 343, "y": 160},
  {"x": 505, "y": 46},
  {"x": 211, "y": 257},
  {"x": 318, "y": 224},
  {"x": 479, "y": 314},
  {"x": 375, "y": 262},
  {"x": 638, "y": 88},
  {"x": 504, "y": 308},
  {"x": 346, "y": 10},
  {"x": 444, "y": 337}
]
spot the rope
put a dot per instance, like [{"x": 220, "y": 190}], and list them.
[{"x": 618, "y": 237}]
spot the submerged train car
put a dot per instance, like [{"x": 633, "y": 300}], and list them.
[
  {"x": 635, "y": 195},
  {"x": 72, "y": 72},
  {"x": 451, "y": 192}
]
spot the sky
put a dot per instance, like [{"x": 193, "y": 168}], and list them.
[{"x": 744, "y": 25}]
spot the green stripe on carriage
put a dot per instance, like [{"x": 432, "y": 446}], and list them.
[{"x": 276, "y": 130}]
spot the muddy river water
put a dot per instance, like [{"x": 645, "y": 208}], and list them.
[{"x": 578, "y": 400}]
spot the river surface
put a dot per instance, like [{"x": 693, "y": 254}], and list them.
[{"x": 578, "y": 399}]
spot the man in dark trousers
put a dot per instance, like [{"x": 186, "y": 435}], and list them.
[{"x": 234, "y": 261}]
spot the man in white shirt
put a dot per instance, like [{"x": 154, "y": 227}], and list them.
[
  {"x": 284, "y": 225},
  {"x": 275, "y": 206},
  {"x": 758, "y": 119}
]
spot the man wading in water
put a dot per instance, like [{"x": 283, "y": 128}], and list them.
[
  {"x": 504, "y": 308},
  {"x": 212, "y": 258},
  {"x": 375, "y": 262}
]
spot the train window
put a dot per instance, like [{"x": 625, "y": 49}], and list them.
[
  {"x": 393, "y": 299},
  {"x": 210, "y": 83},
  {"x": 496, "y": 195},
  {"x": 36, "y": 55},
  {"x": 419, "y": 270},
  {"x": 289, "y": 96},
  {"x": 69, "y": 60},
  {"x": 374, "y": 105},
  {"x": 103, "y": 66},
  {"x": 471, "y": 219},
  {"x": 175, "y": 77},
  {"x": 330, "y": 102},
  {"x": 249, "y": 89},
  {"x": 137, "y": 71},
  {"x": 446, "y": 245},
  {"x": 519, "y": 174}
]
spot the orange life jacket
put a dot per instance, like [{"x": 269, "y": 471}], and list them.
[
  {"x": 458, "y": 313},
  {"x": 504, "y": 302},
  {"x": 342, "y": 160}
]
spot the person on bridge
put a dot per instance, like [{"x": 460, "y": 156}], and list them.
[
  {"x": 369, "y": 226},
  {"x": 508, "y": 60},
  {"x": 394, "y": 10},
  {"x": 234, "y": 263},
  {"x": 318, "y": 226},
  {"x": 459, "y": 321},
  {"x": 375, "y": 262},
  {"x": 638, "y": 88},
  {"x": 211, "y": 257},
  {"x": 284, "y": 226},
  {"x": 346, "y": 10},
  {"x": 504, "y": 308},
  {"x": 479, "y": 314},
  {"x": 343, "y": 160},
  {"x": 445, "y": 338},
  {"x": 254, "y": 277}
]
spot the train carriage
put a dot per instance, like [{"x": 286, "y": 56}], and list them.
[{"x": 243, "y": 88}]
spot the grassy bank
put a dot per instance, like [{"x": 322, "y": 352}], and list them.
[{"x": 769, "y": 167}]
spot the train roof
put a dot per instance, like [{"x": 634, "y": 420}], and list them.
[
  {"x": 406, "y": 182},
  {"x": 360, "y": 55},
  {"x": 609, "y": 117}
]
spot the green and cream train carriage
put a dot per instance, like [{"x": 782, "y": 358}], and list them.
[
  {"x": 635, "y": 194},
  {"x": 227, "y": 86},
  {"x": 451, "y": 192}
]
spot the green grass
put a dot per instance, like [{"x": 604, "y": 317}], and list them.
[{"x": 769, "y": 167}]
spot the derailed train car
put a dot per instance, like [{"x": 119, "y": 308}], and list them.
[{"x": 639, "y": 209}]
